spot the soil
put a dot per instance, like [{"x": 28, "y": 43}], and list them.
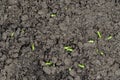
[{"x": 51, "y": 25}]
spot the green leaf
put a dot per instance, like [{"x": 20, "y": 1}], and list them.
[
  {"x": 67, "y": 48},
  {"x": 33, "y": 47},
  {"x": 12, "y": 34},
  {"x": 91, "y": 41},
  {"x": 48, "y": 63},
  {"x": 110, "y": 37},
  {"x": 81, "y": 66},
  {"x": 53, "y": 15},
  {"x": 99, "y": 34},
  {"x": 101, "y": 53},
  {"x": 69, "y": 69}
]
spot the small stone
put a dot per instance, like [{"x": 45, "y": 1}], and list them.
[
  {"x": 8, "y": 61},
  {"x": 98, "y": 77},
  {"x": 47, "y": 70},
  {"x": 25, "y": 78},
  {"x": 15, "y": 55},
  {"x": 24, "y": 17},
  {"x": 53, "y": 70},
  {"x": 117, "y": 72},
  {"x": 77, "y": 78},
  {"x": 40, "y": 12},
  {"x": 67, "y": 61},
  {"x": 0, "y": 54},
  {"x": 63, "y": 27},
  {"x": 4, "y": 36},
  {"x": 12, "y": 2},
  {"x": 75, "y": 53},
  {"x": 72, "y": 73},
  {"x": 54, "y": 59},
  {"x": 3, "y": 58}
]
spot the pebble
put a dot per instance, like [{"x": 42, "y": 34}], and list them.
[
  {"x": 63, "y": 27},
  {"x": 72, "y": 73},
  {"x": 117, "y": 72},
  {"x": 15, "y": 55},
  {"x": 24, "y": 17},
  {"x": 54, "y": 59},
  {"x": 47, "y": 70},
  {"x": 67, "y": 61},
  {"x": 4, "y": 36},
  {"x": 0, "y": 54},
  {"x": 12, "y": 2},
  {"x": 8, "y": 61},
  {"x": 3, "y": 58}
]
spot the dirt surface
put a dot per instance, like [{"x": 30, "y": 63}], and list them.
[{"x": 34, "y": 32}]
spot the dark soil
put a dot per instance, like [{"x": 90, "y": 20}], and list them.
[{"x": 74, "y": 23}]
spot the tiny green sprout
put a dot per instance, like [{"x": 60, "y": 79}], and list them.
[
  {"x": 67, "y": 48},
  {"x": 81, "y": 66},
  {"x": 12, "y": 34},
  {"x": 53, "y": 15},
  {"x": 22, "y": 31},
  {"x": 48, "y": 63},
  {"x": 110, "y": 37},
  {"x": 69, "y": 69},
  {"x": 33, "y": 47},
  {"x": 99, "y": 34},
  {"x": 101, "y": 53},
  {"x": 97, "y": 50},
  {"x": 91, "y": 41}
]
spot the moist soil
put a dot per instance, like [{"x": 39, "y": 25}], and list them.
[{"x": 50, "y": 25}]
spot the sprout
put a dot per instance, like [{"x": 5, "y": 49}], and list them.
[
  {"x": 81, "y": 66},
  {"x": 53, "y": 15},
  {"x": 110, "y": 37},
  {"x": 33, "y": 47},
  {"x": 48, "y": 63},
  {"x": 12, "y": 34},
  {"x": 22, "y": 31},
  {"x": 99, "y": 34},
  {"x": 97, "y": 50},
  {"x": 91, "y": 41},
  {"x": 67, "y": 48},
  {"x": 69, "y": 69},
  {"x": 101, "y": 53}
]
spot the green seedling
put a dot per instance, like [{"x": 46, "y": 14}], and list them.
[
  {"x": 22, "y": 31},
  {"x": 91, "y": 41},
  {"x": 81, "y": 66},
  {"x": 12, "y": 34},
  {"x": 67, "y": 48},
  {"x": 53, "y": 15},
  {"x": 110, "y": 37},
  {"x": 101, "y": 53},
  {"x": 33, "y": 47},
  {"x": 48, "y": 63},
  {"x": 97, "y": 50},
  {"x": 69, "y": 69},
  {"x": 99, "y": 34}
]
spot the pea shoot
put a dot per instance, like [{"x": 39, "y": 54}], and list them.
[
  {"x": 99, "y": 34},
  {"x": 53, "y": 15},
  {"x": 68, "y": 48},
  {"x": 91, "y": 41},
  {"x": 81, "y": 66},
  {"x": 48, "y": 63},
  {"x": 33, "y": 46},
  {"x": 109, "y": 37}
]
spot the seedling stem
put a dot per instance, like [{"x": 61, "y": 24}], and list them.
[
  {"x": 99, "y": 34},
  {"x": 81, "y": 66}
]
